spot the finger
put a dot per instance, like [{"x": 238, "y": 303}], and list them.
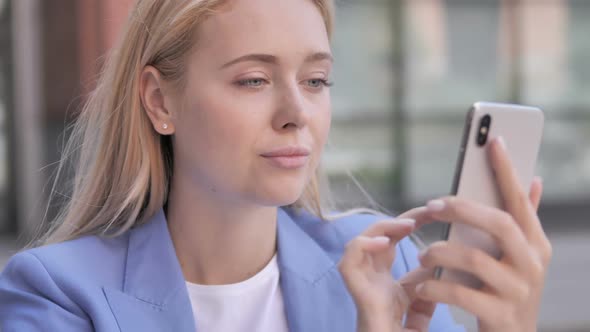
[
  {"x": 516, "y": 199},
  {"x": 490, "y": 271},
  {"x": 413, "y": 278},
  {"x": 536, "y": 192},
  {"x": 419, "y": 315},
  {"x": 484, "y": 306},
  {"x": 356, "y": 250},
  {"x": 354, "y": 263},
  {"x": 420, "y": 214},
  {"x": 499, "y": 224},
  {"x": 542, "y": 244},
  {"x": 395, "y": 229},
  {"x": 420, "y": 312}
]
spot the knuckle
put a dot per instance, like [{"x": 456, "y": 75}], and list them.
[
  {"x": 428, "y": 257},
  {"x": 429, "y": 287},
  {"x": 521, "y": 292},
  {"x": 506, "y": 223},
  {"x": 547, "y": 252},
  {"x": 424, "y": 257},
  {"x": 432, "y": 254},
  {"x": 537, "y": 268},
  {"x": 475, "y": 259},
  {"x": 456, "y": 295},
  {"x": 505, "y": 216}
]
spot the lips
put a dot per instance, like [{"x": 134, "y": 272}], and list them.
[
  {"x": 288, "y": 157},
  {"x": 293, "y": 151}
]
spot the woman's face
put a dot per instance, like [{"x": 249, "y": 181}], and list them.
[{"x": 255, "y": 88}]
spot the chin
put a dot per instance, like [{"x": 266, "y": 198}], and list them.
[{"x": 280, "y": 196}]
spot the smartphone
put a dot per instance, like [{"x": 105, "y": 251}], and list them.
[{"x": 521, "y": 127}]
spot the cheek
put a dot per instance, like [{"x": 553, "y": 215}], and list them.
[
  {"x": 320, "y": 130},
  {"x": 217, "y": 138},
  {"x": 219, "y": 125},
  {"x": 320, "y": 126}
]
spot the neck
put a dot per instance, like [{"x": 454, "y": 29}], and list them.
[{"x": 216, "y": 241}]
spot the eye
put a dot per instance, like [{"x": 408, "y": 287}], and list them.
[
  {"x": 318, "y": 83},
  {"x": 252, "y": 82}
]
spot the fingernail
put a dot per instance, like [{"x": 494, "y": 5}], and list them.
[
  {"x": 381, "y": 239},
  {"x": 501, "y": 142},
  {"x": 436, "y": 205},
  {"x": 419, "y": 288},
  {"x": 406, "y": 221}
]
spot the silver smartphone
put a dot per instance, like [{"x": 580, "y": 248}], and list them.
[{"x": 521, "y": 127}]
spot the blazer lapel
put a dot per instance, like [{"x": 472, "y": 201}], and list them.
[
  {"x": 315, "y": 296},
  {"x": 154, "y": 295}
]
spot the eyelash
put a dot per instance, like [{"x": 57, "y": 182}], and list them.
[
  {"x": 323, "y": 82},
  {"x": 245, "y": 82}
]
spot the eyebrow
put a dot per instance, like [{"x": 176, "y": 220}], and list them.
[{"x": 271, "y": 59}]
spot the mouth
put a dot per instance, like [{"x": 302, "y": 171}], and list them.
[{"x": 292, "y": 157}]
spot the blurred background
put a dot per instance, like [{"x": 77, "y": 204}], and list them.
[{"x": 406, "y": 72}]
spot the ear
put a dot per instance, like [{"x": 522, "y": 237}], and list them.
[{"x": 152, "y": 98}]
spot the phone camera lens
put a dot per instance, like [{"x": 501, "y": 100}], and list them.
[{"x": 483, "y": 130}]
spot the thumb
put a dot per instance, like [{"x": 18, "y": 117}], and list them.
[
  {"x": 413, "y": 278},
  {"x": 419, "y": 312}
]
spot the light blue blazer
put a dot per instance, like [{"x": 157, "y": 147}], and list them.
[{"x": 134, "y": 282}]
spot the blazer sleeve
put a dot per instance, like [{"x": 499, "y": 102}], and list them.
[
  {"x": 442, "y": 320},
  {"x": 30, "y": 300}
]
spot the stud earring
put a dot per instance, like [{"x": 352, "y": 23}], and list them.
[{"x": 165, "y": 126}]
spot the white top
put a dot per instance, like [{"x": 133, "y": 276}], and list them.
[{"x": 255, "y": 304}]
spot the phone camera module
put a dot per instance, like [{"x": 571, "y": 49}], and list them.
[{"x": 484, "y": 130}]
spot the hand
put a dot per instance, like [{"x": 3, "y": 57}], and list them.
[
  {"x": 366, "y": 269},
  {"x": 510, "y": 297}
]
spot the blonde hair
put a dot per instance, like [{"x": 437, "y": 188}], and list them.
[{"x": 122, "y": 166}]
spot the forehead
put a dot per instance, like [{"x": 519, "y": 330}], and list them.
[{"x": 270, "y": 26}]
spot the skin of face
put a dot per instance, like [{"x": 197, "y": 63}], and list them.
[{"x": 255, "y": 82}]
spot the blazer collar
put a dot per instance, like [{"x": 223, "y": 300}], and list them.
[
  {"x": 315, "y": 297},
  {"x": 154, "y": 295},
  {"x": 153, "y": 273}
]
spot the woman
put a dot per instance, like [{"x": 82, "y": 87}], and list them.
[{"x": 196, "y": 201}]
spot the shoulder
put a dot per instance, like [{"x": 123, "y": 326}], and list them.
[
  {"x": 87, "y": 258},
  {"x": 67, "y": 267},
  {"x": 63, "y": 279}
]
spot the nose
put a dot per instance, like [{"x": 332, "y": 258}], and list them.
[{"x": 291, "y": 110}]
